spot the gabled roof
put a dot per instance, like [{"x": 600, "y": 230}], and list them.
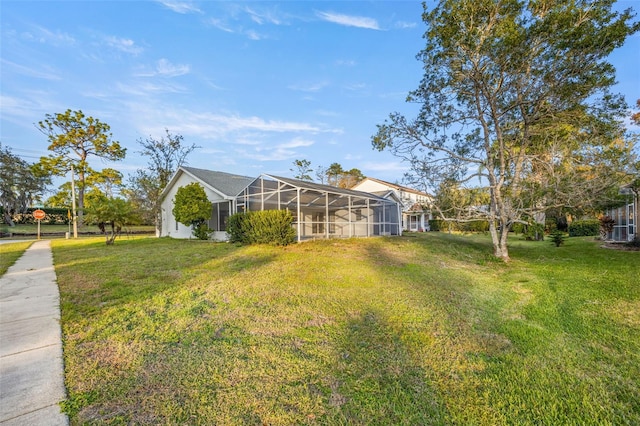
[
  {"x": 326, "y": 188},
  {"x": 397, "y": 187},
  {"x": 226, "y": 184}
]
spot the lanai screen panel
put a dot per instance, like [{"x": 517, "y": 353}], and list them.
[{"x": 321, "y": 211}]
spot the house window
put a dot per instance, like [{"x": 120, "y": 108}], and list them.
[
  {"x": 219, "y": 216},
  {"x": 317, "y": 223}
]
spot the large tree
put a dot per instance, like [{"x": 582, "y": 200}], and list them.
[
  {"x": 21, "y": 184},
  {"x": 302, "y": 169},
  {"x": 73, "y": 139},
  {"x": 165, "y": 156},
  {"x": 503, "y": 80}
]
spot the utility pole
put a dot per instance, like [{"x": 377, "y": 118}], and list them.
[{"x": 73, "y": 204}]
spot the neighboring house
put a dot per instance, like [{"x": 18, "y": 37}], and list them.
[
  {"x": 319, "y": 211},
  {"x": 415, "y": 211},
  {"x": 626, "y": 217}
]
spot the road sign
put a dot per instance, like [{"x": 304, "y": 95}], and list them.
[{"x": 39, "y": 214}]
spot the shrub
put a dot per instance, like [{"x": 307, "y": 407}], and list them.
[
  {"x": 606, "y": 226},
  {"x": 584, "y": 228},
  {"x": 557, "y": 238},
  {"x": 262, "y": 227},
  {"x": 472, "y": 226},
  {"x": 635, "y": 243}
]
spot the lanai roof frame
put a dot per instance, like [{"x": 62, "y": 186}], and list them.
[{"x": 388, "y": 224}]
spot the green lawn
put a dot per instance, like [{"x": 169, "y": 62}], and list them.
[
  {"x": 10, "y": 252},
  {"x": 422, "y": 329},
  {"x": 31, "y": 229}
]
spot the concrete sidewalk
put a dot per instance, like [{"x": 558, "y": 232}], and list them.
[{"x": 31, "y": 366}]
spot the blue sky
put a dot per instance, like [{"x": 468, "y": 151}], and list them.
[{"x": 256, "y": 84}]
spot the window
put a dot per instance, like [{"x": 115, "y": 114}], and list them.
[
  {"x": 219, "y": 216},
  {"x": 317, "y": 223}
]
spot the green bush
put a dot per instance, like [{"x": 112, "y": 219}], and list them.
[
  {"x": 435, "y": 224},
  {"x": 262, "y": 227},
  {"x": 557, "y": 238},
  {"x": 473, "y": 226},
  {"x": 584, "y": 228}
]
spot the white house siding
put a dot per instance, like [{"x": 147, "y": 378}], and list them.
[
  {"x": 171, "y": 228},
  {"x": 412, "y": 220}
]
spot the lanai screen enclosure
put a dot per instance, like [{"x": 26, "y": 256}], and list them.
[{"x": 322, "y": 211}]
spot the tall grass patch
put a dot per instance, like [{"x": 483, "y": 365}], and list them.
[{"x": 422, "y": 329}]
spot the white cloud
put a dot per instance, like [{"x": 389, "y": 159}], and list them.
[
  {"x": 349, "y": 21},
  {"x": 405, "y": 25},
  {"x": 221, "y": 25},
  {"x": 46, "y": 73},
  {"x": 309, "y": 87},
  {"x": 262, "y": 17},
  {"x": 44, "y": 35},
  {"x": 168, "y": 69},
  {"x": 123, "y": 44},
  {"x": 180, "y": 6}
]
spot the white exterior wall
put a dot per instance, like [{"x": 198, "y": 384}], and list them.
[
  {"x": 411, "y": 221},
  {"x": 169, "y": 223}
]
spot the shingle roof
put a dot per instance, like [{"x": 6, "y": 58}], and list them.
[{"x": 226, "y": 183}]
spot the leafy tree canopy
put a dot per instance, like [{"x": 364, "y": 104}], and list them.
[
  {"x": 73, "y": 139},
  {"x": 192, "y": 207},
  {"x": 21, "y": 184}
]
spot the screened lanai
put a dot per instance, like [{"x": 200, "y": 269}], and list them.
[{"x": 322, "y": 211}]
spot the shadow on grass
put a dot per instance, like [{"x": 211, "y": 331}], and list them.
[
  {"x": 92, "y": 275},
  {"x": 378, "y": 378}
]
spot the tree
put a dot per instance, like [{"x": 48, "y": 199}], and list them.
[
  {"x": 112, "y": 211},
  {"x": 500, "y": 77},
  {"x": 193, "y": 208},
  {"x": 302, "y": 168},
  {"x": 165, "y": 156},
  {"x": 337, "y": 176},
  {"x": 21, "y": 184},
  {"x": 73, "y": 139}
]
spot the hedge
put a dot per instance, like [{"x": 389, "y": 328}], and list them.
[
  {"x": 262, "y": 227},
  {"x": 473, "y": 226},
  {"x": 584, "y": 228}
]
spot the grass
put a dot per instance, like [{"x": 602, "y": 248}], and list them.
[
  {"x": 30, "y": 229},
  {"x": 10, "y": 252},
  {"x": 422, "y": 329}
]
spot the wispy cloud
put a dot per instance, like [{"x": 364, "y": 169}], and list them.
[
  {"x": 168, "y": 69},
  {"x": 180, "y": 6},
  {"x": 145, "y": 89},
  {"x": 405, "y": 25},
  {"x": 221, "y": 25},
  {"x": 309, "y": 87},
  {"x": 264, "y": 16},
  {"x": 45, "y": 72},
  {"x": 44, "y": 35},
  {"x": 164, "y": 68},
  {"x": 349, "y": 20},
  {"x": 123, "y": 45},
  {"x": 282, "y": 151}
]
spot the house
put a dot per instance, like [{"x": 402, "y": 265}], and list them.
[
  {"x": 222, "y": 190},
  {"x": 415, "y": 211},
  {"x": 319, "y": 211},
  {"x": 626, "y": 217}
]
